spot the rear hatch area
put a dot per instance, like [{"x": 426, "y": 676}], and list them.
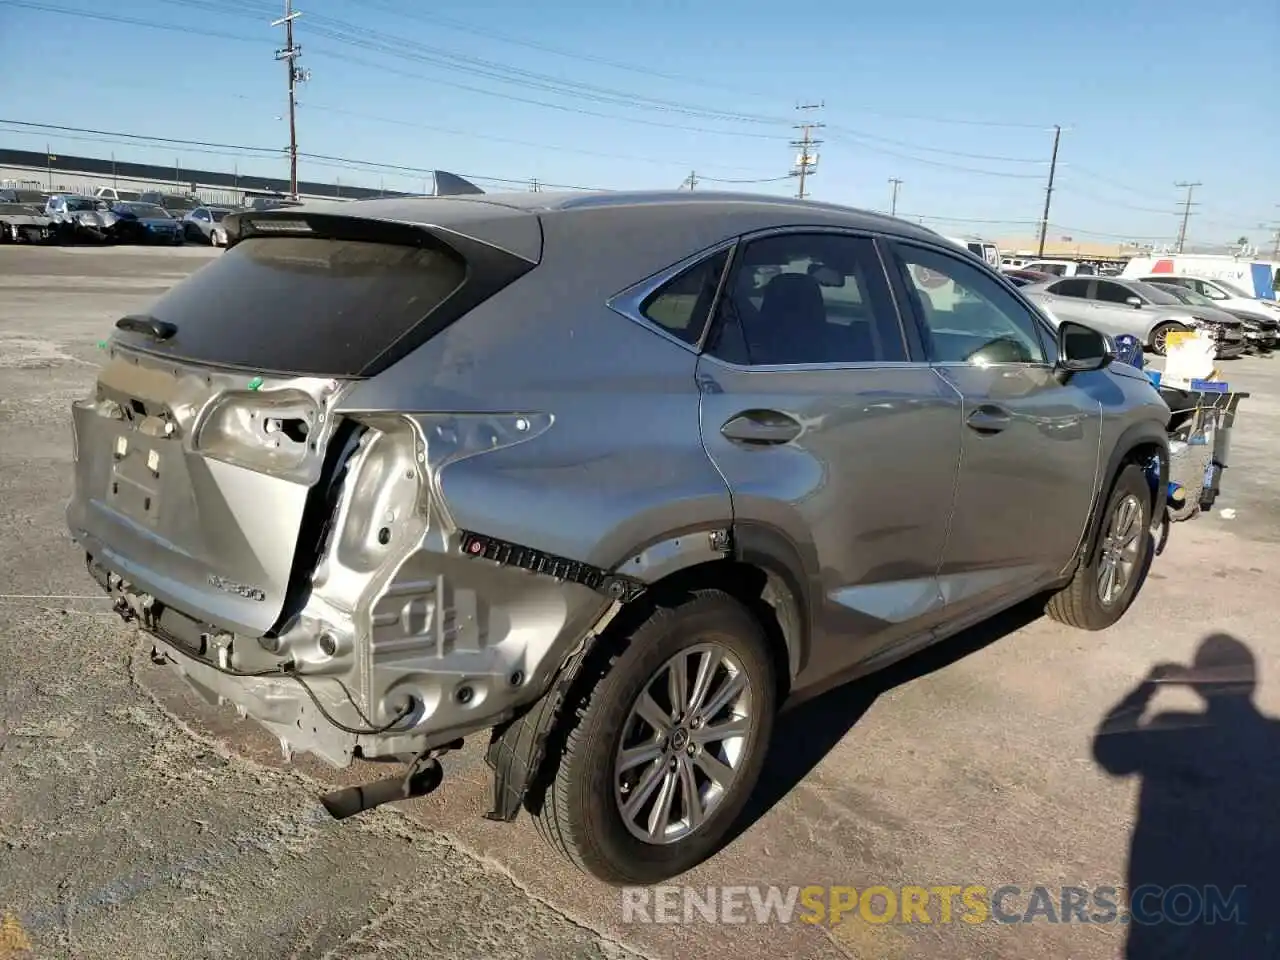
[{"x": 203, "y": 454}]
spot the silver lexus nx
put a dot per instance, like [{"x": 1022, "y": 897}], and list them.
[{"x": 605, "y": 478}]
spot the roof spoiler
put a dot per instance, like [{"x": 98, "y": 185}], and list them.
[{"x": 452, "y": 185}]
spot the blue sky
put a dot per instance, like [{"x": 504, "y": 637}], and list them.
[{"x": 957, "y": 100}]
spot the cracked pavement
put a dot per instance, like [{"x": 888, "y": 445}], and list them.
[{"x": 136, "y": 820}]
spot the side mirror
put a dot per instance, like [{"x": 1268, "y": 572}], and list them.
[
  {"x": 1081, "y": 348},
  {"x": 1134, "y": 302}
]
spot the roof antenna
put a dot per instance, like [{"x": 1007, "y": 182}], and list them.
[{"x": 452, "y": 185}]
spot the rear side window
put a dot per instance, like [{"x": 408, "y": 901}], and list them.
[
  {"x": 304, "y": 305},
  {"x": 1070, "y": 288},
  {"x": 681, "y": 307},
  {"x": 1113, "y": 292},
  {"x": 804, "y": 298}
]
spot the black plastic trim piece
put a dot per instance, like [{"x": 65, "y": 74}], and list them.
[
  {"x": 612, "y": 585},
  {"x": 318, "y": 515}
]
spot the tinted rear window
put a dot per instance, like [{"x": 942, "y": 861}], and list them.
[{"x": 303, "y": 305}]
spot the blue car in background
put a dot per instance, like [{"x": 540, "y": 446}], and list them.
[{"x": 145, "y": 223}]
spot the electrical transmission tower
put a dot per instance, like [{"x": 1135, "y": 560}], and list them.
[
  {"x": 807, "y": 159},
  {"x": 1186, "y": 212},
  {"x": 297, "y": 75}
]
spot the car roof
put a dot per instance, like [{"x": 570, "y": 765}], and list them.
[{"x": 701, "y": 206}]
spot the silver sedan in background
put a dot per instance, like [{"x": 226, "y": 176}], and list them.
[
  {"x": 205, "y": 223},
  {"x": 1142, "y": 310}
]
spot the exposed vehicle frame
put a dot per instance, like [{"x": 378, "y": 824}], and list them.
[{"x": 377, "y": 546}]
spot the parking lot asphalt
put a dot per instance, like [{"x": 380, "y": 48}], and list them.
[{"x": 138, "y": 821}]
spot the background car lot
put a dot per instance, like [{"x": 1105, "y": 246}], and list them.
[{"x": 970, "y": 765}]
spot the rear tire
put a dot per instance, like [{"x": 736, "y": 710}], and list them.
[
  {"x": 1125, "y": 547},
  {"x": 1160, "y": 335},
  {"x": 584, "y": 812}
]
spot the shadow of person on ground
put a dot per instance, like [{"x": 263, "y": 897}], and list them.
[
  {"x": 1202, "y": 876},
  {"x": 809, "y": 730}
]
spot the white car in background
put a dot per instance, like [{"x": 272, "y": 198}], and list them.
[
  {"x": 1224, "y": 294},
  {"x": 205, "y": 223}
]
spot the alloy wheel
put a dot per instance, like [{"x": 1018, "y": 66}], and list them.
[
  {"x": 1119, "y": 558},
  {"x": 683, "y": 743}
]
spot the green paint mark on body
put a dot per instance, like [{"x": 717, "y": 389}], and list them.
[{"x": 255, "y": 383}]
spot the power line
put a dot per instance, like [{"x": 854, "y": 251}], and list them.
[
  {"x": 349, "y": 34},
  {"x": 624, "y": 100},
  {"x": 490, "y": 34},
  {"x": 487, "y": 33},
  {"x": 1186, "y": 212},
  {"x": 397, "y": 46},
  {"x": 239, "y": 149},
  {"x": 986, "y": 220},
  {"x": 132, "y": 21},
  {"x": 863, "y": 135},
  {"x": 745, "y": 180},
  {"x": 577, "y": 151},
  {"x": 1003, "y": 174},
  {"x": 644, "y": 121},
  {"x": 354, "y": 35}
]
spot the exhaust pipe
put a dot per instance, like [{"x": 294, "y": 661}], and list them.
[{"x": 421, "y": 780}]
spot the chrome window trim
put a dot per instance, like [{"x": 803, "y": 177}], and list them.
[
  {"x": 855, "y": 365},
  {"x": 628, "y": 302}
]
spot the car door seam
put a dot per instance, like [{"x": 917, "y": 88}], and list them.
[
  {"x": 955, "y": 479},
  {"x": 702, "y": 439}
]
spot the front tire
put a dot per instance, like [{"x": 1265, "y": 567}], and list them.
[
  {"x": 1104, "y": 588},
  {"x": 1160, "y": 337},
  {"x": 662, "y": 752}
]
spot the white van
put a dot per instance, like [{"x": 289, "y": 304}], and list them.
[
  {"x": 1257, "y": 278},
  {"x": 982, "y": 249}
]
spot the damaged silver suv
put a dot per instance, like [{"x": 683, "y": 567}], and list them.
[{"x": 604, "y": 478}]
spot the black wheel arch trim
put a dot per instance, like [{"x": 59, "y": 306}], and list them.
[
  {"x": 1135, "y": 436},
  {"x": 771, "y": 550}
]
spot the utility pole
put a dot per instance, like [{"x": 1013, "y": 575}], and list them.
[
  {"x": 1186, "y": 212},
  {"x": 533, "y": 185},
  {"x": 691, "y": 181},
  {"x": 1048, "y": 193},
  {"x": 806, "y": 160},
  {"x": 48, "y": 160},
  {"x": 893, "y": 199},
  {"x": 297, "y": 75}
]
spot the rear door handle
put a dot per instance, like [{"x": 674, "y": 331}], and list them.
[
  {"x": 761, "y": 427},
  {"x": 989, "y": 419}
]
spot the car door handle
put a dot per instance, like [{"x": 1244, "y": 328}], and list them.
[
  {"x": 761, "y": 427},
  {"x": 989, "y": 419}
]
